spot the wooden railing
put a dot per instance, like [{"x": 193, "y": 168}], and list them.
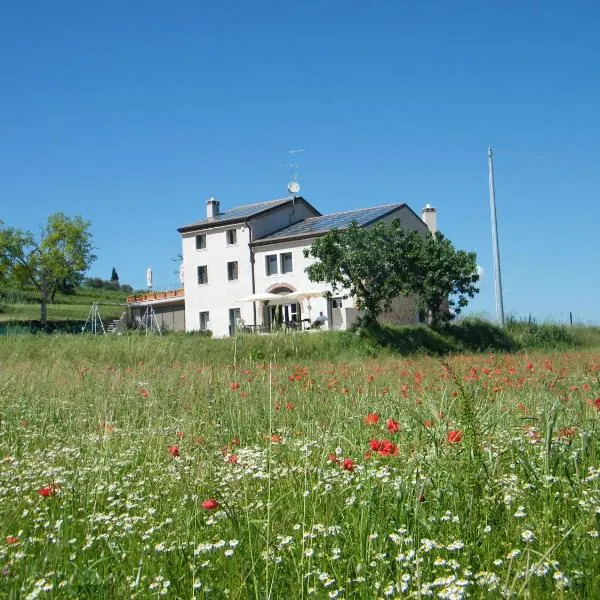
[{"x": 148, "y": 297}]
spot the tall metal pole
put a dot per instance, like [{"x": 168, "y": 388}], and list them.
[{"x": 497, "y": 274}]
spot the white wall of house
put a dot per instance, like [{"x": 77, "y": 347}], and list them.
[
  {"x": 219, "y": 295},
  {"x": 296, "y": 280}
]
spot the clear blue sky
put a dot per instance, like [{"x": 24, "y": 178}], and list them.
[{"x": 132, "y": 114}]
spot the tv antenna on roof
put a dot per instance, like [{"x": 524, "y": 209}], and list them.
[{"x": 293, "y": 186}]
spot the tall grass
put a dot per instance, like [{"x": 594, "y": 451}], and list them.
[{"x": 140, "y": 466}]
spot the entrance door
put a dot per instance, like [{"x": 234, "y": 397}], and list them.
[
  {"x": 337, "y": 320},
  {"x": 234, "y": 317}
]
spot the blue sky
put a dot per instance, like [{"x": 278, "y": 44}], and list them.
[{"x": 132, "y": 114}]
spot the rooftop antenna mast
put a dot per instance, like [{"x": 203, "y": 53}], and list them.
[{"x": 293, "y": 186}]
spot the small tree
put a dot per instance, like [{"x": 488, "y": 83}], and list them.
[
  {"x": 442, "y": 278},
  {"x": 63, "y": 253},
  {"x": 114, "y": 276},
  {"x": 365, "y": 263}
]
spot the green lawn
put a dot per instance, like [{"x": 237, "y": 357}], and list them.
[
  {"x": 67, "y": 307},
  {"x": 56, "y": 312}
]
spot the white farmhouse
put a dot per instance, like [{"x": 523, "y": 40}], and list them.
[{"x": 255, "y": 249}]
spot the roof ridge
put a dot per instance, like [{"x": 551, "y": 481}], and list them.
[
  {"x": 257, "y": 203},
  {"x": 345, "y": 212}
]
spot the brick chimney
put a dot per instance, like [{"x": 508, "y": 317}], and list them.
[
  {"x": 429, "y": 217},
  {"x": 212, "y": 208}
]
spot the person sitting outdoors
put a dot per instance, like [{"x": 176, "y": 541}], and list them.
[{"x": 319, "y": 321}]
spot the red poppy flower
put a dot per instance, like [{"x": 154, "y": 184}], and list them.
[
  {"x": 384, "y": 447},
  {"x": 333, "y": 458},
  {"x": 371, "y": 419},
  {"x": 348, "y": 464},
  {"x": 144, "y": 392},
  {"x": 388, "y": 448},
  {"x": 210, "y": 504},
  {"x": 276, "y": 439},
  {"x": 289, "y": 406},
  {"x": 567, "y": 432},
  {"x": 173, "y": 450},
  {"x": 597, "y": 403},
  {"x": 233, "y": 459},
  {"x": 46, "y": 491},
  {"x": 234, "y": 386},
  {"x": 393, "y": 426},
  {"x": 455, "y": 436},
  {"x": 11, "y": 539}
]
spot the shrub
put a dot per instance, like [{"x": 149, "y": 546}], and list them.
[{"x": 17, "y": 296}]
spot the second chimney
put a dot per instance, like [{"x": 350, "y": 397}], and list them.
[
  {"x": 212, "y": 208},
  {"x": 429, "y": 217}
]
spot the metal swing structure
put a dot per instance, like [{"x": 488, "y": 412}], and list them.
[
  {"x": 94, "y": 319},
  {"x": 148, "y": 322}
]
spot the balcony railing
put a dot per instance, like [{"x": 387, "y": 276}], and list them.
[{"x": 151, "y": 296}]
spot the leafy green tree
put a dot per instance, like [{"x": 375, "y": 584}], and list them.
[
  {"x": 62, "y": 253},
  {"x": 442, "y": 277},
  {"x": 364, "y": 263},
  {"x": 376, "y": 264},
  {"x": 114, "y": 276}
]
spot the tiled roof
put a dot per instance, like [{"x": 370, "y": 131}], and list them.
[
  {"x": 238, "y": 213},
  {"x": 318, "y": 225}
]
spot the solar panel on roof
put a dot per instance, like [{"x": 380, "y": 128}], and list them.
[
  {"x": 240, "y": 212},
  {"x": 315, "y": 225}
]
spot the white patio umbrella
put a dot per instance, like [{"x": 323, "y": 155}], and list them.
[
  {"x": 301, "y": 294},
  {"x": 306, "y": 294},
  {"x": 265, "y": 297}
]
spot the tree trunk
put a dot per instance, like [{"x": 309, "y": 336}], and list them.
[
  {"x": 44, "y": 311},
  {"x": 369, "y": 318}
]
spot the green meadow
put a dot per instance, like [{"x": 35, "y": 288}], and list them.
[{"x": 301, "y": 466}]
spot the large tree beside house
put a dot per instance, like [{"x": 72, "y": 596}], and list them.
[
  {"x": 376, "y": 264},
  {"x": 62, "y": 252}
]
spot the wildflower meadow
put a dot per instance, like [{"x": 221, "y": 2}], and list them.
[{"x": 140, "y": 467}]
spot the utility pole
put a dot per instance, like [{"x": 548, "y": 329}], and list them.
[{"x": 496, "y": 250}]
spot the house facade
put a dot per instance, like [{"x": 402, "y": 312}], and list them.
[{"x": 259, "y": 249}]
